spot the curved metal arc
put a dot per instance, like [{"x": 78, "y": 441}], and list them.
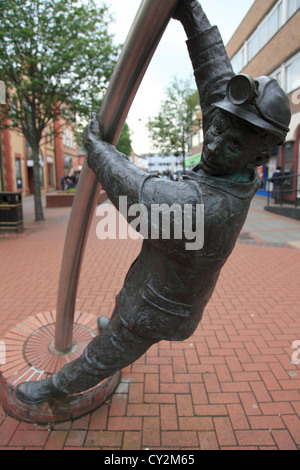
[{"x": 143, "y": 39}]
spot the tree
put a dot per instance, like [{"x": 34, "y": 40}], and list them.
[
  {"x": 124, "y": 142},
  {"x": 170, "y": 130},
  {"x": 56, "y": 59}
]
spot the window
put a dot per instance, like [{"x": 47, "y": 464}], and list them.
[
  {"x": 273, "y": 24},
  {"x": 269, "y": 26},
  {"x": 238, "y": 61},
  {"x": 278, "y": 77},
  {"x": 18, "y": 173},
  {"x": 288, "y": 74},
  {"x": 265, "y": 31},
  {"x": 67, "y": 138},
  {"x": 18, "y": 168},
  {"x": 49, "y": 131},
  {"x": 293, "y": 7},
  {"x": 280, "y": 15},
  {"x": 253, "y": 47},
  {"x": 293, "y": 75},
  {"x": 50, "y": 174}
]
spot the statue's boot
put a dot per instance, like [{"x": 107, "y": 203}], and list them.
[
  {"x": 38, "y": 392},
  {"x": 44, "y": 390},
  {"x": 108, "y": 353}
]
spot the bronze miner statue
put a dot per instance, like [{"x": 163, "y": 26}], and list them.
[{"x": 168, "y": 286}]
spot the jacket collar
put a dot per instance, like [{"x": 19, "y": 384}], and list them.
[{"x": 245, "y": 190}]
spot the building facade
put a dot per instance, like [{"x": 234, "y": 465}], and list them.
[
  {"x": 163, "y": 164},
  {"x": 58, "y": 157},
  {"x": 139, "y": 160},
  {"x": 267, "y": 42},
  {"x": 196, "y": 143}
]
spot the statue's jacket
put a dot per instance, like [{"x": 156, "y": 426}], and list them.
[{"x": 167, "y": 287}]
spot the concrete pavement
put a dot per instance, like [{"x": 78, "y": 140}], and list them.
[{"x": 232, "y": 385}]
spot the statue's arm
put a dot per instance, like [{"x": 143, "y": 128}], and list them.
[
  {"x": 119, "y": 178},
  {"x": 117, "y": 175},
  {"x": 208, "y": 55}
]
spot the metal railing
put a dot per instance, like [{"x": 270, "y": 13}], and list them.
[{"x": 288, "y": 192}]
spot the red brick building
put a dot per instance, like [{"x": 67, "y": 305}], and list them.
[{"x": 58, "y": 157}]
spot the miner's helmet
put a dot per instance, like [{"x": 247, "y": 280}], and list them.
[{"x": 260, "y": 102}]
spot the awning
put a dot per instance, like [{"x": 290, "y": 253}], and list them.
[{"x": 193, "y": 160}]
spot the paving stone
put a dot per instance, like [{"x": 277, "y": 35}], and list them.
[{"x": 230, "y": 386}]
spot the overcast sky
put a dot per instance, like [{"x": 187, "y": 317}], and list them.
[{"x": 171, "y": 58}]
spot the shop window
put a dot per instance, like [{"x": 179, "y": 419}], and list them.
[{"x": 288, "y": 167}]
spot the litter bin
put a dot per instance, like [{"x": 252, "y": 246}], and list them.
[{"x": 11, "y": 213}]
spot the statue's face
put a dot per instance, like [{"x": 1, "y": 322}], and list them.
[{"x": 231, "y": 144}]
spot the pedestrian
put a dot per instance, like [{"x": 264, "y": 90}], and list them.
[
  {"x": 62, "y": 183},
  {"x": 168, "y": 287},
  {"x": 277, "y": 185},
  {"x": 69, "y": 183}
]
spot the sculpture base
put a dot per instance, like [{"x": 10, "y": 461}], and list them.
[{"x": 30, "y": 355}]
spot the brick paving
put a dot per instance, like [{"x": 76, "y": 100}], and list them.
[{"x": 230, "y": 386}]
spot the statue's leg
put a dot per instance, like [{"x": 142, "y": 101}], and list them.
[
  {"x": 115, "y": 348},
  {"x": 103, "y": 320}
]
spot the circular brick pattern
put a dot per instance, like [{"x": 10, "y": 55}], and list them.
[
  {"x": 30, "y": 354},
  {"x": 39, "y": 349}
]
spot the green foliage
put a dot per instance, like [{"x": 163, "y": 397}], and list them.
[
  {"x": 124, "y": 142},
  {"x": 170, "y": 130},
  {"x": 54, "y": 52},
  {"x": 70, "y": 190},
  {"x": 56, "y": 59}
]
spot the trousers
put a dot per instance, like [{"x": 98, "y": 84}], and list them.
[{"x": 113, "y": 349}]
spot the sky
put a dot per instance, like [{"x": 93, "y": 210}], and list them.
[{"x": 170, "y": 59}]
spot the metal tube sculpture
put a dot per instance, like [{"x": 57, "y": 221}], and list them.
[{"x": 143, "y": 39}]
